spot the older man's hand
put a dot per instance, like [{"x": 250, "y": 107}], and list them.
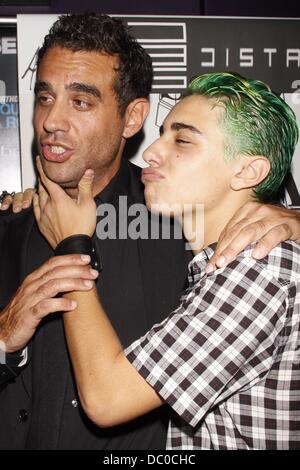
[{"x": 267, "y": 224}]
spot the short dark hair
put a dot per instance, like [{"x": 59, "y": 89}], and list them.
[{"x": 96, "y": 32}]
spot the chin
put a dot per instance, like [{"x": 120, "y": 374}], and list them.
[
  {"x": 63, "y": 182},
  {"x": 60, "y": 178},
  {"x": 68, "y": 184}
]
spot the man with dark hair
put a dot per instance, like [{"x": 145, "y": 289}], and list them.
[
  {"x": 92, "y": 88},
  {"x": 88, "y": 32},
  {"x": 91, "y": 94}
]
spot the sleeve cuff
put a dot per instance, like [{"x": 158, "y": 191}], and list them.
[
  {"x": 16, "y": 359},
  {"x": 14, "y": 362},
  {"x": 81, "y": 244}
]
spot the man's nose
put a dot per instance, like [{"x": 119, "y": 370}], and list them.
[{"x": 57, "y": 118}]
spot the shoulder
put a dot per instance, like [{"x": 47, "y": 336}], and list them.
[
  {"x": 282, "y": 263},
  {"x": 270, "y": 276},
  {"x": 6, "y": 218},
  {"x": 135, "y": 170},
  {"x": 9, "y": 216},
  {"x": 12, "y": 221},
  {"x": 136, "y": 186}
]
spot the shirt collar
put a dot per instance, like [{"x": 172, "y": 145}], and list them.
[
  {"x": 198, "y": 264},
  {"x": 117, "y": 186}
]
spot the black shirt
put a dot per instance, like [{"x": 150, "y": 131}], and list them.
[{"x": 139, "y": 285}]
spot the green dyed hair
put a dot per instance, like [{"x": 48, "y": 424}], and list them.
[{"x": 256, "y": 121}]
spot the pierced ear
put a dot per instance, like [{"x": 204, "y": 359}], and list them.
[
  {"x": 135, "y": 115},
  {"x": 251, "y": 170}
]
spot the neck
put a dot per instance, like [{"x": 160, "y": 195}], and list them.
[
  {"x": 101, "y": 180},
  {"x": 203, "y": 227}
]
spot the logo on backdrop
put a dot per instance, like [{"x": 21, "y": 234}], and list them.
[
  {"x": 8, "y": 45},
  {"x": 166, "y": 43}
]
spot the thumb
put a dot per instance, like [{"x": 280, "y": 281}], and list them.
[{"x": 85, "y": 187}]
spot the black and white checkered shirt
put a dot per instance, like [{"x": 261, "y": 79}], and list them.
[{"x": 227, "y": 360}]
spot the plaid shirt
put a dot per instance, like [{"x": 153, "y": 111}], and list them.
[{"x": 227, "y": 360}]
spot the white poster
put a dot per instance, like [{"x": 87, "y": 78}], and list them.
[{"x": 10, "y": 172}]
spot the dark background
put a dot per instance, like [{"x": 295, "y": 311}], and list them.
[{"x": 267, "y": 8}]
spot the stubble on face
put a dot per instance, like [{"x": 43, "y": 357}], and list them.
[{"x": 90, "y": 126}]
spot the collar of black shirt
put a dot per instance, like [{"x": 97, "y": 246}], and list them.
[{"x": 119, "y": 184}]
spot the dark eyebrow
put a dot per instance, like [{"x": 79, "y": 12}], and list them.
[
  {"x": 74, "y": 86},
  {"x": 41, "y": 86},
  {"x": 85, "y": 88},
  {"x": 177, "y": 126}
]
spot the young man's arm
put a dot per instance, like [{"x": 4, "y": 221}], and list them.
[
  {"x": 218, "y": 341},
  {"x": 111, "y": 390}
]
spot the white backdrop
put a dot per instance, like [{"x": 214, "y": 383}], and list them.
[{"x": 31, "y": 30}]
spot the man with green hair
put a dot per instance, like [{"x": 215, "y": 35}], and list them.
[
  {"x": 255, "y": 121},
  {"x": 227, "y": 360}
]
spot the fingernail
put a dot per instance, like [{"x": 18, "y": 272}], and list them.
[
  {"x": 17, "y": 208},
  {"x": 209, "y": 268},
  {"x": 220, "y": 261},
  {"x": 89, "y": 174},
  {"x": 257, "y": 253},
  {"x": 85, "y": 257},
  {"x": 73, "y": 304},
  {"x": 94, "y": 272},
  {"x": 26, "y": 204},
  {"x": 4, "y": 207},
  {"x": 88, "y": 283}
]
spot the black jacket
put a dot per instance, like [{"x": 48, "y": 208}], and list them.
[{"x": 35, "y": 405}]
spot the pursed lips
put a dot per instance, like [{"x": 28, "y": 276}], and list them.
[{"x": 150, "y": 174}]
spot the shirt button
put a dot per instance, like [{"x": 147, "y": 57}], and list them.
[
  {"x": 74, "y": 403},
  {"x": 23, "y": 415}
]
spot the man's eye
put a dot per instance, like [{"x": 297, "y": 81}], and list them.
[
  {"x": 81, "y": 104},
  {"x": 182, "y": 141},
  {"x": 44, "y": 99}
]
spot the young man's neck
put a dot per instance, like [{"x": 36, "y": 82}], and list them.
[{"x": 202, "y": 228}]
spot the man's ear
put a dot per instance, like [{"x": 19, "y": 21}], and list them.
[
  {"x": 250, "y": 171},
  {"x": 135, "y": 115}
]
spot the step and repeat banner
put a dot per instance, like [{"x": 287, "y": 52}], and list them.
[
  {"x": 180, "y": 47},
  {"x": 10, "y": 174}
]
